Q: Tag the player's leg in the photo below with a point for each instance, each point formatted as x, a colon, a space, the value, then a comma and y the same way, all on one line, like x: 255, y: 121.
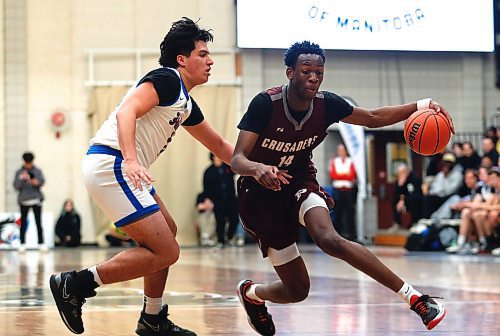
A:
x: 154, y: 312
x: 136, y: 212
x: 293, y: 286
x: 317, y: 221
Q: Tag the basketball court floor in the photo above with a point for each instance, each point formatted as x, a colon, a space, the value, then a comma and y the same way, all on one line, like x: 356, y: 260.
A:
x: 202, y: 285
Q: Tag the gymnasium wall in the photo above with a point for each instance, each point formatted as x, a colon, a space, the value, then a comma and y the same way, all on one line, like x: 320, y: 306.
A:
x: 58, y: 33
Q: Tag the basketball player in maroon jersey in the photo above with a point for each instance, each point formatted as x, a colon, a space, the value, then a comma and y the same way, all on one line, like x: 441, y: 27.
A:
x: 278, y: 190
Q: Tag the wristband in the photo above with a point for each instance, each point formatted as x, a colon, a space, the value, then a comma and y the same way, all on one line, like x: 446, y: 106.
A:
x: 423, y: 104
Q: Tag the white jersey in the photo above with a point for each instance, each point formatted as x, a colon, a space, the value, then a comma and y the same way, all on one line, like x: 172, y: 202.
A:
x: 155, y: 129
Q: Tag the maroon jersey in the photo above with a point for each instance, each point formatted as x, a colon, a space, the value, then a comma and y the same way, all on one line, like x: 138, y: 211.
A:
x: 284, y: 141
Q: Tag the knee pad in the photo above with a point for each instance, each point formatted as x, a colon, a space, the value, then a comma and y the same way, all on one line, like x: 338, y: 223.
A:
x: 283, y: 256
x: 312, y: 201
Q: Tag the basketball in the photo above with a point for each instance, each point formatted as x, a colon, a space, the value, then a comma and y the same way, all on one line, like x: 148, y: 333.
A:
x: 427, y: 132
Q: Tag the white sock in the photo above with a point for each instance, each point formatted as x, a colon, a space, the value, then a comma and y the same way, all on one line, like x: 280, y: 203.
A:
x: 460, y: 240
x: 252, y: 295
x: 407, y: 291
x: 97, y: 278
x: 152, y: 306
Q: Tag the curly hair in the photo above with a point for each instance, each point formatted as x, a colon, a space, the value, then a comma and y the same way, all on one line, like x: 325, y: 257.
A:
x: 300, y: 48
x: 180, y: 40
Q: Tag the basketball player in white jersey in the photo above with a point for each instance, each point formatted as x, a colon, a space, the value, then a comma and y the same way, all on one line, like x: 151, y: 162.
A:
x: 116, y: 174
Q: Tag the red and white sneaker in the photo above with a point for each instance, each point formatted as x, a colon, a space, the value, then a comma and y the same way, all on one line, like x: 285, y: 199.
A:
x: 258, y: 317
x: 430, y: 311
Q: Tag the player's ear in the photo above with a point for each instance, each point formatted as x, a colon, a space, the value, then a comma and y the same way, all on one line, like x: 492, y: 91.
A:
x: 289, y: 73
x: 181, y: 60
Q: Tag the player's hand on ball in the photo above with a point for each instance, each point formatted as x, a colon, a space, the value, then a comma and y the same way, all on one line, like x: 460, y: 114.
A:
x: 440, y: 109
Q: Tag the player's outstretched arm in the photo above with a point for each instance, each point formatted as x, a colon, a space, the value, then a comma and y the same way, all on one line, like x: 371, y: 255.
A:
x: 388, y: 115
x: 212, y: 140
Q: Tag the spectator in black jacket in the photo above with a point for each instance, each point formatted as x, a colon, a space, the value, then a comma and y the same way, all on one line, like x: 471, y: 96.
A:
x: 490, y: 151
x: 68, y: 226
x: 407, y: 195
x: 470, y: 159
x: 218, y: 185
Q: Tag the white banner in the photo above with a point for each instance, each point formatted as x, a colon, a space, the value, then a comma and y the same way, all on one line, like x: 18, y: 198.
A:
x: 421, y: 25
x: 354, y: 140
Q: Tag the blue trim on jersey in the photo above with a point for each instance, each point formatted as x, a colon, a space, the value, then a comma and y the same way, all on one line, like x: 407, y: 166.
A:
x: 101, y: 149
x: 152, y: 191
x: 184, y: 89
x: 117, y: 168
x: 140, y: 213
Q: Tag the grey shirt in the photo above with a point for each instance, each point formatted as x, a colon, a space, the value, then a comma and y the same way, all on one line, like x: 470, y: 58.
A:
x: 28, y: 193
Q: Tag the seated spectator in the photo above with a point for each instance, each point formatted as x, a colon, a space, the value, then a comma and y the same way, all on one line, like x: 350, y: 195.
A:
x: 118, y: 238
x: 467, y: 215
x: 68, y: 226
x: 407, y: 196
x: 487, y: 162
x: 205, y: 220
x: 470, y: 159
x: 446, y: 184
x: 493, y: 133
x: 458, y: 151
x: 487, y: 223
x: 490, y: 150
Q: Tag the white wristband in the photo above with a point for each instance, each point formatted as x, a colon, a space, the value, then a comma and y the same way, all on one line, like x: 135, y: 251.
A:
x: 423, y: 104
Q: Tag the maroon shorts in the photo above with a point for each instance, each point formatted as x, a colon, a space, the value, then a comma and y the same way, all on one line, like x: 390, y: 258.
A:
x: 272, y: 217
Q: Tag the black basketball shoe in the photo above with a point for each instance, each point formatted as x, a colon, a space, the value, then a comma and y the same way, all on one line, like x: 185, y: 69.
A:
x: 68, y: 300
x: 258, y: 317
x: 429, y: 310
x: 159, y: 325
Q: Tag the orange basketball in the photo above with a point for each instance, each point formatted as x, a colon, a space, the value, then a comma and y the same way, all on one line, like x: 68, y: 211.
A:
x: 427, y: 132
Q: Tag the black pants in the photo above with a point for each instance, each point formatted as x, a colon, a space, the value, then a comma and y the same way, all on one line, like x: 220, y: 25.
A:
x: 37, y: 212
x: 432, y: 203
x: 413, y: 206
x: 345, y: 202
x: 225, y: 211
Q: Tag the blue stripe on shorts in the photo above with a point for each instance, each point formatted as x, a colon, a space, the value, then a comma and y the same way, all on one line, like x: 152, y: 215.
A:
x: 141, y: 211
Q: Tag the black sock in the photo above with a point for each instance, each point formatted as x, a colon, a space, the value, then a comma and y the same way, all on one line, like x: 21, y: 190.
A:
x: 85, y: 282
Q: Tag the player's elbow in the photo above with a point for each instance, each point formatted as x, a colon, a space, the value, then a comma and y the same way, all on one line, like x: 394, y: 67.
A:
x: 374, y: 120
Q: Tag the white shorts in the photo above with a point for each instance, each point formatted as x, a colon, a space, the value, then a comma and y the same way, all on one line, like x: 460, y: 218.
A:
x: 105, y: 179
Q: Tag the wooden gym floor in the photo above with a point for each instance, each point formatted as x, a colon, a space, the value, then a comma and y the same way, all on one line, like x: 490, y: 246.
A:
x: 201, y: 294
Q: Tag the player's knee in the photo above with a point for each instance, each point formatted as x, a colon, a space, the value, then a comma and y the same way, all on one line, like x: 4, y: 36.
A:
x: 299, y: 293
x: 169, y: 256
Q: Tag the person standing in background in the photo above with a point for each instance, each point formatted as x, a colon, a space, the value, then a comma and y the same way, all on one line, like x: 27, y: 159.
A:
x: 28, y: 181
x: 343, y: 176
x: 218, y: 187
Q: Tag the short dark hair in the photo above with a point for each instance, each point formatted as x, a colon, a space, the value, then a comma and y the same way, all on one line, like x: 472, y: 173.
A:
x: 28, y: 157
x: 300, y: 48
x: 180, y: 40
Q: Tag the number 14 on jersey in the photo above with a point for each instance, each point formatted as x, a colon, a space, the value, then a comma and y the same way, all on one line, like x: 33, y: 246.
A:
x: 286, y: 160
